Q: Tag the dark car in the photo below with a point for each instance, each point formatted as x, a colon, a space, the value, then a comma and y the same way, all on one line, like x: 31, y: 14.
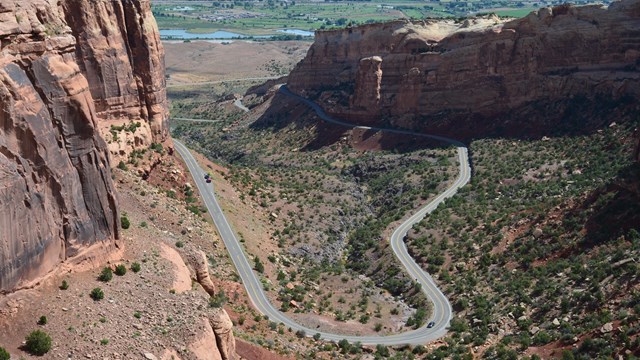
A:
x: 207, y: 176
x: 208, y: 180
x: 431, y: 324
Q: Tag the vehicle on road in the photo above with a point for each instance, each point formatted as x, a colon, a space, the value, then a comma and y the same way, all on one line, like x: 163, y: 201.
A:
x: 207, y: 176
x: 430, y: 324
x: 208, y: 180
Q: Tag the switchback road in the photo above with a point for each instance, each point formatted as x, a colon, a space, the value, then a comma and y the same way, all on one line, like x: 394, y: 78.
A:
x: 441, y: 307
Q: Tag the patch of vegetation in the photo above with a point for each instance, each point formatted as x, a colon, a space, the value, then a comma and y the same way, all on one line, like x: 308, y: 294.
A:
x: 97, y: 294
x: 42, y: 320
x: 539, y: 242
x: 124, y: 221
x: 38, y: 343
x: 64, y: 285
x: 135, y: 267
x: 121, y: 270
x: 4, y: 354
x: 106, y: 275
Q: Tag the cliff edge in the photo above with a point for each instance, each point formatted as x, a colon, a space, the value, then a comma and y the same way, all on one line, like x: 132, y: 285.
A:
x: 70, y: 70
x: 479, y: 77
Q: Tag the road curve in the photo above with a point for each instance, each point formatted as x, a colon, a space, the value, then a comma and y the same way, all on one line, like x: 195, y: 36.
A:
x: 441, y: 307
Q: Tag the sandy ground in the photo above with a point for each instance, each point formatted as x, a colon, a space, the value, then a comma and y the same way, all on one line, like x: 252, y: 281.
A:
x: 201, y: 61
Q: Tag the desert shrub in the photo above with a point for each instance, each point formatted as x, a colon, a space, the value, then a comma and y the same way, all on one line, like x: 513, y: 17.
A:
x: 121, y: 270
x: 179, y: 244
x: 4, y: 354
x: 124, y: 221
x: 42, y: 320
x: 97, y: 294
x: 64, y: 285
x: 135, y: 267
x: 122, y: 166
x: 218, y: 300
x: 106, y: 274
x: 38, y: 342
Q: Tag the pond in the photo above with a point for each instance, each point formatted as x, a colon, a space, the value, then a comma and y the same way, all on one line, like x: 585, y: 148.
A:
x: 221, y: 34
x: 182, y: 34
x: 296, y: 32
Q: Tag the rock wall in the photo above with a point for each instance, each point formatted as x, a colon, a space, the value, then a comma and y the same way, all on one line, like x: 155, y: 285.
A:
x: 458, y: 77
x: 69, y: 68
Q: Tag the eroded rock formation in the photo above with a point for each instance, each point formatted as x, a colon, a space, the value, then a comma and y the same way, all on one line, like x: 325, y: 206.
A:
x: 480, y: 76
x: 69, y: 68
x: 219, y: 323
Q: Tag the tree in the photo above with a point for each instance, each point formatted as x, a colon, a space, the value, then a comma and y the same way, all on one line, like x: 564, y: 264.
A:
x: 97, y: 294
x: 121, y: 270
x: 258, y: 265
x: 124, y: 221
x: 38, y: 342
x: 106, y: 275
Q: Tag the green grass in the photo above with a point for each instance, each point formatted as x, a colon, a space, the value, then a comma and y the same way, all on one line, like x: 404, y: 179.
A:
x: 516, y: 13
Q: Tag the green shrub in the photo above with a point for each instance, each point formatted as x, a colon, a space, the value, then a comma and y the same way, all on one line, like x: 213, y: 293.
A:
x: 106, y: 274
x: 4, y: 354
x: 97, y: 294
x: 122, y: 166
x: 38, y: 342
x: 64, y: 285
x: 121, y: 270
x: 42, y: 320
x: 124, y: 221
x: 218, y: 300
x: 179, y: 244
x: 135, y: 267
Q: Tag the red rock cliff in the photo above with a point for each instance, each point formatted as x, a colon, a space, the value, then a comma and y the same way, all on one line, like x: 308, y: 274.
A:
x: 68, y: 69
x: 457, y: 78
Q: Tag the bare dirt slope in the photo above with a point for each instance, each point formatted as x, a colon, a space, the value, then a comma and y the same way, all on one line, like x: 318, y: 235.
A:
x: 201, y: 61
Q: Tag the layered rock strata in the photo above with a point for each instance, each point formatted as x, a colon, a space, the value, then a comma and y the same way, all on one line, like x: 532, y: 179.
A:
x: 69, y: 68
x: 457, y: 77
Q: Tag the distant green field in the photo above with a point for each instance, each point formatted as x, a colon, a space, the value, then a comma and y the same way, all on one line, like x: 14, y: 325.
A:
x: 517, y: 13
x: 269, y: 16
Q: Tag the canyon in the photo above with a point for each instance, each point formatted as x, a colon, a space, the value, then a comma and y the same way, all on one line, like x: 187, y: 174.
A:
x: 482, y: 76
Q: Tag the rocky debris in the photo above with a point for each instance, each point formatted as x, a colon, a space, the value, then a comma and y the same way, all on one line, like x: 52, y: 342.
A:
x: 537, y: 232
x: 478, y: 77
x: 69, y: 70
x: 606, y: 328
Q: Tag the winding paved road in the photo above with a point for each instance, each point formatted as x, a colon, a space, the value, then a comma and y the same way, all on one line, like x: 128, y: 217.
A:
x: 441, y: 307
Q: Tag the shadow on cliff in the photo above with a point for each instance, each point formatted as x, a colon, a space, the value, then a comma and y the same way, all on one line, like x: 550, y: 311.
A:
x: 615, y: 209
x: 284, y: 112
x: 575, y: 116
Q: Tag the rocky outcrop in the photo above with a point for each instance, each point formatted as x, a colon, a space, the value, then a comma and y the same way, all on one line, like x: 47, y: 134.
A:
x: 479, y: 76
x: 69, y: 68
x: 219, y: 324
x: 119, y: 51
x: 368, y: 78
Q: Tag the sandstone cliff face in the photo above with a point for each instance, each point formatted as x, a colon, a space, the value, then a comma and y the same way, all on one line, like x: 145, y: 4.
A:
x: 456, y: 78
x: 67, y: 69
